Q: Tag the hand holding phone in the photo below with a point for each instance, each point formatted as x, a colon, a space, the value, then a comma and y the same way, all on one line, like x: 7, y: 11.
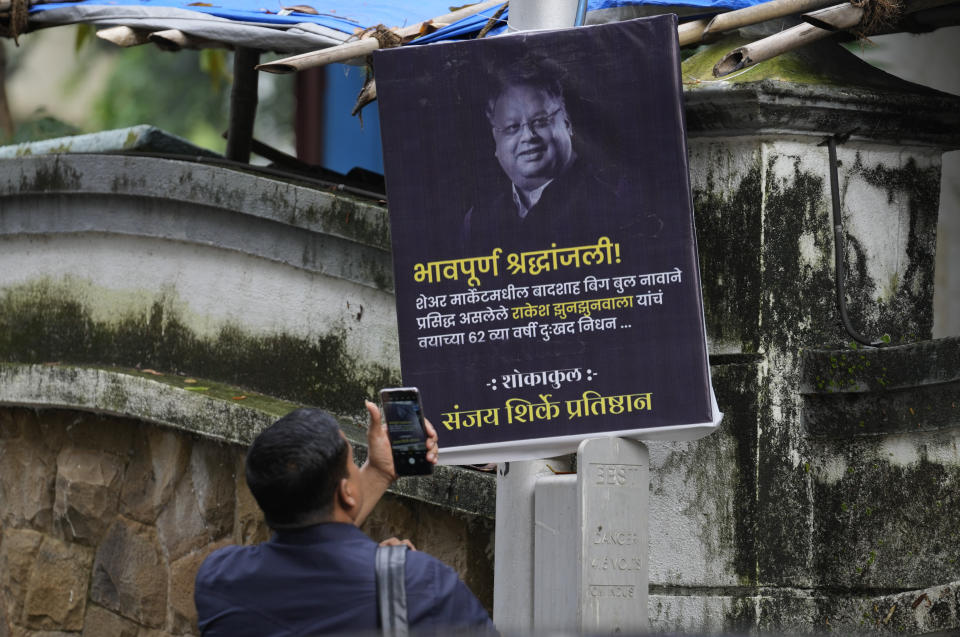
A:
x: 403, y: 413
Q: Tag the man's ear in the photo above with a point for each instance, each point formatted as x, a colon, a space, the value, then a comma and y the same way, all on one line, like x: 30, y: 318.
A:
x: 346, y: 496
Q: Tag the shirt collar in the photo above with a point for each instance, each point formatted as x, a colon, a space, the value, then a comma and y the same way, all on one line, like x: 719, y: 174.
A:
x: 325, y: 532
x: 534, y: 196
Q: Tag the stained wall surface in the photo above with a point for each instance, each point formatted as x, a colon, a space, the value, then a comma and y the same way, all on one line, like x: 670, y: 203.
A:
x: 922, y: 59
x: 801, y: 514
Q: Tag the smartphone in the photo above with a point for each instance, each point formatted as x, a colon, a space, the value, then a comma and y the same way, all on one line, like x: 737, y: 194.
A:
x: 408, y: 438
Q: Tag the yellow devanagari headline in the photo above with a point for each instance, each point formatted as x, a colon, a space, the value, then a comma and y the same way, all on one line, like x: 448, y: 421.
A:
x: 533, y: 263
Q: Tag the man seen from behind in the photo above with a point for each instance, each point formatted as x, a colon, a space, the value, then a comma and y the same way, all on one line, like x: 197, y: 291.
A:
x: 316, y: 574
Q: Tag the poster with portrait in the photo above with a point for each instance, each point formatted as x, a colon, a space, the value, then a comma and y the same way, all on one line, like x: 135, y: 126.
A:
x: 545, y: 258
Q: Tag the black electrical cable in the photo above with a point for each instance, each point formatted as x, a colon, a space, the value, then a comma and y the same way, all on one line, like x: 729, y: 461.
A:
x: 838, y: 244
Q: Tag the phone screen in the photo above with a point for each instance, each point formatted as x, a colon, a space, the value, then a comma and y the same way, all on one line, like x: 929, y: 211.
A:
x: 404, y: 427
x: 401, y: 409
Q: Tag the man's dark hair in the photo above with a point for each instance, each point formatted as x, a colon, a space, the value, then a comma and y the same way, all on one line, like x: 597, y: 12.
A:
x: 531, y: 70
x: 294, y: 466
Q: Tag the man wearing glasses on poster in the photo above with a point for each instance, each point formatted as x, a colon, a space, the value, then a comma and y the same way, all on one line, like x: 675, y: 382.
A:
x: 555, y: 193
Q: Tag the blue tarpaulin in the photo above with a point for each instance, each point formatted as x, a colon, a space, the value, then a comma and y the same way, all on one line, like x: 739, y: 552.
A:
x: 342, y: 15
x: 279, y: 25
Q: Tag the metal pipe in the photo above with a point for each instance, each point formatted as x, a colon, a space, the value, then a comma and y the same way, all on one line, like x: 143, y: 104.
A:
x: 581, y: 14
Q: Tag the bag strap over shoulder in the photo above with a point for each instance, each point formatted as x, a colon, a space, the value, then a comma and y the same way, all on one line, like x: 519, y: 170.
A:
x: 391, y: 590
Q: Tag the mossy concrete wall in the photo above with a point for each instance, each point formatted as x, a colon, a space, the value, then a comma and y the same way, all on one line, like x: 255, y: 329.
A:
x: 185, y: 267
x: 790, y: 518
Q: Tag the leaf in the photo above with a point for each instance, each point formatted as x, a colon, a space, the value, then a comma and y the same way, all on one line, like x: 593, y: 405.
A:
x: 213, y: 62
x: 239, y: 397
x: 189, y: 380
x: 84, y: 31
x: 886, y: 620
x: 151, y: 371
x: 197, y: 388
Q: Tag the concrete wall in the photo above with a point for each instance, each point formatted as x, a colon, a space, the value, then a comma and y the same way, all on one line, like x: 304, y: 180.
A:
x: 191, y: 268
x: 803, y: 513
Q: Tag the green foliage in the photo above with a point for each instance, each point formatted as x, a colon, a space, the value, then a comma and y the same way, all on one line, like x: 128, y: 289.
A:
x: 84, y: 33
x: 186, y: 93
x: 213, y: 62
x: 41, y: 126
x: 167, y: 90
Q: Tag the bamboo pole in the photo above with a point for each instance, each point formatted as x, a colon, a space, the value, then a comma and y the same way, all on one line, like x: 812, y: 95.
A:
x: 367, y: 44
x: 175, y: 39
x: 124, y: 36
x: 761, y: 13
x: 339, y: 53
x: 836, y: 18
x: 691, y: 32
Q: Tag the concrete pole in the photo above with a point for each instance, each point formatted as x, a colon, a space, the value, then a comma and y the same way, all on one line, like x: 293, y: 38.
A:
x: 543, y: 518
x: 533, y: 15
x: 613, y: 484
x: 513, y: 573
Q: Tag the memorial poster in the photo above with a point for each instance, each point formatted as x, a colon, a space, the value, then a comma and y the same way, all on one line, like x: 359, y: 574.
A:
x: 545, y: 258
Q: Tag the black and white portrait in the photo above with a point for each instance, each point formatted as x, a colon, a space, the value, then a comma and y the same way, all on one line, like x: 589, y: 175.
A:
x: 554, y: 187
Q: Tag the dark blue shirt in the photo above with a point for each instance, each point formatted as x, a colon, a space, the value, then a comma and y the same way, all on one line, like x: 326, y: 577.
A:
x: 321, y: 579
